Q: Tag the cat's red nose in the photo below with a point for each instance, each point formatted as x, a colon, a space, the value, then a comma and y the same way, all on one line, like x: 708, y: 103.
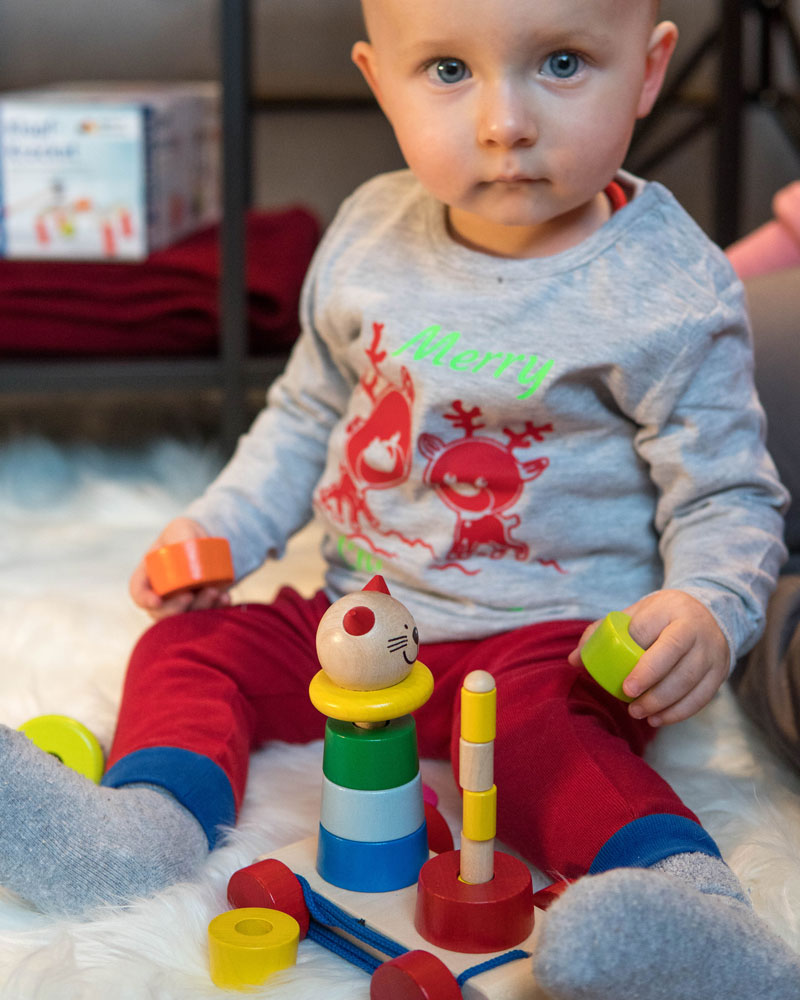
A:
x: 358, y: 620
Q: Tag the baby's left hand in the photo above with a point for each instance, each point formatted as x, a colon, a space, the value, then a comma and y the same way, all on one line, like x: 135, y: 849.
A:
x: 685, y: 662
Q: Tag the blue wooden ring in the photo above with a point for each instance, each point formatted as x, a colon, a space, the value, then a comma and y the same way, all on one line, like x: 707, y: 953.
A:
x: 365, y: 867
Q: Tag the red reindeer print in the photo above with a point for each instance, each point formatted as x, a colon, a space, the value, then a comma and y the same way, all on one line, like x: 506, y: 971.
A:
x: 377, y: 452
x: 481, y: 479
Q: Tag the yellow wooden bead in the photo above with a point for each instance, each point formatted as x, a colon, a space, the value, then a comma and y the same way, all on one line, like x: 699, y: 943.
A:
x: 371, y: 706
x: 70, y: 741
x: 478, y: 715
x: 480, y: 814
x: 247, y: 945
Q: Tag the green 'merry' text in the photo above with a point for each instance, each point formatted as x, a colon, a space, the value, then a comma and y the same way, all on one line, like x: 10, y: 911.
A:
x: 440, y: 349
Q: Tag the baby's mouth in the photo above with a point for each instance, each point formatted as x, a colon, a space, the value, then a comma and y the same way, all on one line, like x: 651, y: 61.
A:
x: 514, y: 179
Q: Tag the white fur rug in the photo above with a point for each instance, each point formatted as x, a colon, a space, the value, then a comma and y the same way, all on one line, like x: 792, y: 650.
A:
x: 74, y: 523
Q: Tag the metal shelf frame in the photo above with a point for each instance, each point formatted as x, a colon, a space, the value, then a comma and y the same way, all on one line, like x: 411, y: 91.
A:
x: 725, y: 111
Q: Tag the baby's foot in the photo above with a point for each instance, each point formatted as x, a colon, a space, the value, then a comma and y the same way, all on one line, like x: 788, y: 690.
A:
x: 67, y: 844
x: 647, y: 934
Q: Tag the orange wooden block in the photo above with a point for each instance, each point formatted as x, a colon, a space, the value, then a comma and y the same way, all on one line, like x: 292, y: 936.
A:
x: 198, y: 562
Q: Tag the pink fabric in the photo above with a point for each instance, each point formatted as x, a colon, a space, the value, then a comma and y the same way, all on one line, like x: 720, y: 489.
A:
x: 774, y: 246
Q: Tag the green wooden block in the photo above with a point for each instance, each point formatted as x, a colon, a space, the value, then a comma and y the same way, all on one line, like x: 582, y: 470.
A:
x: 371, y: 759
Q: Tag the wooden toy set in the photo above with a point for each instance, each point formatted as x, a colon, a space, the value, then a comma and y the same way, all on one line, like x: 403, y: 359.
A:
x: 426, y: 926
x: 381, y: 884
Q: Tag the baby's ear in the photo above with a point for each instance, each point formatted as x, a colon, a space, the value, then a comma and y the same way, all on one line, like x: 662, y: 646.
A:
x: 363, y: 55
x: 663, y: 40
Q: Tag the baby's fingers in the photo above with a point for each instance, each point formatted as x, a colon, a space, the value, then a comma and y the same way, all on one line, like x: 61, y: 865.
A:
x: 176, y: 604
x: 575, y: 656
x: 684, y: 706
x: 658, y: 659
x: 209, y: 597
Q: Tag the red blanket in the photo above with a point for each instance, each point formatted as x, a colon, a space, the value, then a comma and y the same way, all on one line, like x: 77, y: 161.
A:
x: 165, y: 305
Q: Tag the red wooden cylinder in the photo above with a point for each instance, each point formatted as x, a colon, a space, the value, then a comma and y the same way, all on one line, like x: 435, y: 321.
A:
x: 493, y: 916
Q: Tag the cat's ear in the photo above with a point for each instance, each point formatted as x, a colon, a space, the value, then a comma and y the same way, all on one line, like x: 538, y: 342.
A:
x: 377, y: 583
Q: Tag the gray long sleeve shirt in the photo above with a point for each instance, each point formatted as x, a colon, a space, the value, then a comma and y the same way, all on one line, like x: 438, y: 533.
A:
x: 510, y: 441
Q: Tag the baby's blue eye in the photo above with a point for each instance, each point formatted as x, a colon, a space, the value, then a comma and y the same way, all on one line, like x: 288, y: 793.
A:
x: 451, y: 70
x: 563, y: 65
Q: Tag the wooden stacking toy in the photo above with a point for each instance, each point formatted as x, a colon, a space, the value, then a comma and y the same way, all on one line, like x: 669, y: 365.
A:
x: 372, y: 833
x: 476, y: 899
x: 458, y: 925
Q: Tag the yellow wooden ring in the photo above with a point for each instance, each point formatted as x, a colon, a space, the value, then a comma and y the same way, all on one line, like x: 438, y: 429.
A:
x: 247, y: 945
x: 371, y: 706
x: 70, y: 741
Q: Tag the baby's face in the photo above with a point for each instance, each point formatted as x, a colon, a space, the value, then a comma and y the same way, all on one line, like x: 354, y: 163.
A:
x: 514, y: 113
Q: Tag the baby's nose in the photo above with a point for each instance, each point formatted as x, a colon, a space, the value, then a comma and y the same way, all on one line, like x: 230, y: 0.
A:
x: 506, y: 117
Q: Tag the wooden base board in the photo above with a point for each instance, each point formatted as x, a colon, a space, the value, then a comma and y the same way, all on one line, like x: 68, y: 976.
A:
x: 392, y: 914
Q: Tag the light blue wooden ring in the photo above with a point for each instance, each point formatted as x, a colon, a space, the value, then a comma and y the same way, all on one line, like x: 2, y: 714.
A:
x: 374, y: 816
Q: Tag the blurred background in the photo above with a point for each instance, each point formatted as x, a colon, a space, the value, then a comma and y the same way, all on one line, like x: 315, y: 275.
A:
x: 316, y: 135
x: 724, y: 142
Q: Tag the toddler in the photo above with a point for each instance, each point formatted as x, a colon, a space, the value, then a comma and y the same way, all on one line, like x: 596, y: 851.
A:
x: 523, y: 394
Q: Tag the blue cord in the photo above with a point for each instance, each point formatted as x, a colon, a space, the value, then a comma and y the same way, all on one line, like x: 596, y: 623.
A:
x: 342, y: 947
x: 326, y: 915
x: 476, y: 970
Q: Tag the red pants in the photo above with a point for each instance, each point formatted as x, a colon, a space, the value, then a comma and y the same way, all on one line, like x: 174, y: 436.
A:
x: 206, y: 688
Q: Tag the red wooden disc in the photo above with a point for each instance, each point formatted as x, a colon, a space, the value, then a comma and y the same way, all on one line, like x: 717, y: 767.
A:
x: 493, y: 916
x: 417, y: 975
x: 271, y: 884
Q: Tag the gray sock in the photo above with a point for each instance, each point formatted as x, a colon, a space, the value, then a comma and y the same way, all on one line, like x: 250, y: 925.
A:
x: 67, y: 845
x: 681, y: 930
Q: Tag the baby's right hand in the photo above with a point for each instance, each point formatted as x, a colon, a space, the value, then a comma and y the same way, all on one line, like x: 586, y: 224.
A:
x: 182, y: 529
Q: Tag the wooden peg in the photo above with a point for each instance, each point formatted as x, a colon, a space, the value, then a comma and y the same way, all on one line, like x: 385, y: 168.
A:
x: 476, y: 777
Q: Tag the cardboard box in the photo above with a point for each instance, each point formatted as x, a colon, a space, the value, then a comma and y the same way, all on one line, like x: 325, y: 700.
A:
x: 107, y: 171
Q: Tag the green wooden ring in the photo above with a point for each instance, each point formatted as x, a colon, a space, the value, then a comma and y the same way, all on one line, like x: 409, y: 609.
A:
x: 610, y: 654
x: 371, y: 759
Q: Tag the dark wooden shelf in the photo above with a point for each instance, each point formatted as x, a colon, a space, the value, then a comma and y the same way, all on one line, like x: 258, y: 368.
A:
x: 26, y: 376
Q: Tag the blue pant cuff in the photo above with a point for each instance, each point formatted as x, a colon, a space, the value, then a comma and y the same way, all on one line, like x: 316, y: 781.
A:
x: 194, y: 779
x: 649, y: 839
